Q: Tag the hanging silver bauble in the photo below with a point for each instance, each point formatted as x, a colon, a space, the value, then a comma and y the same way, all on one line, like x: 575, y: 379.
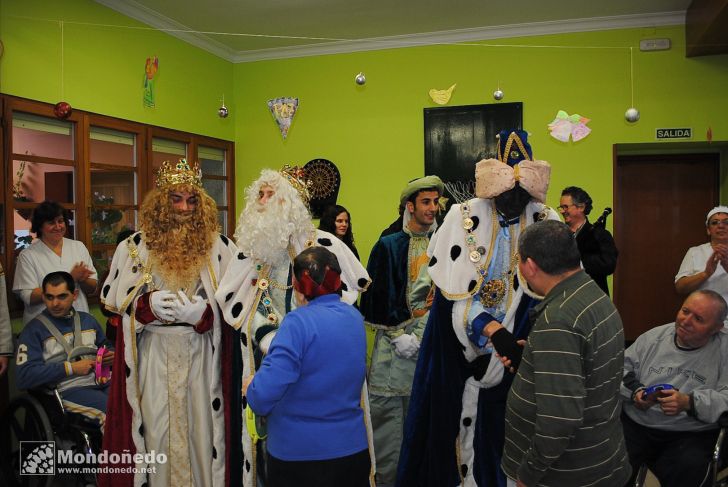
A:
x: 360, y: 79
x: 498, y: 94
x: 632, y: 115
x: 222, y: 112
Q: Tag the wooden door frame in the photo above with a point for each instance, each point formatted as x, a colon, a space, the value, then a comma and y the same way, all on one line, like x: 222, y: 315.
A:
x: 667, y: 151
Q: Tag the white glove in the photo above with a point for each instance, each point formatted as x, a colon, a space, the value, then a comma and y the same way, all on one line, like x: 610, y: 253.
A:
x: 162, y: 303
x: 264, y: 344
x: 406, y: 346
x: 189, y: 311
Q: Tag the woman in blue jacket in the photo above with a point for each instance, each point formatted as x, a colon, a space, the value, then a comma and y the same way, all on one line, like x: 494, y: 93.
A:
x: 309, y: 385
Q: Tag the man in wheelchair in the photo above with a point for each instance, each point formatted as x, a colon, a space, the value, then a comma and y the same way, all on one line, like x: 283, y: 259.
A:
x: 675, y: 387
x: 59, y: 349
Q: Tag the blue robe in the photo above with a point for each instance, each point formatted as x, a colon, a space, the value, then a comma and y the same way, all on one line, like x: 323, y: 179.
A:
x: 456, y: 420
x: 428, y: 457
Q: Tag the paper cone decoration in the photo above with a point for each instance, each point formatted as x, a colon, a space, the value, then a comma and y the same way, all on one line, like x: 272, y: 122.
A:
x: 565, y: 126
x: 283, y: 110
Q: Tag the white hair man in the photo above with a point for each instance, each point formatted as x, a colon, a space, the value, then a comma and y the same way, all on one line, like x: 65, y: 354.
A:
x: 257, y: 292
x: 162, y: 282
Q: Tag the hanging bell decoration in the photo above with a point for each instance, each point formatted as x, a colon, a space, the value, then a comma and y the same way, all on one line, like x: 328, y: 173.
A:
x: 498, y: 95
x: 360, y: 79
x: 223, y: 112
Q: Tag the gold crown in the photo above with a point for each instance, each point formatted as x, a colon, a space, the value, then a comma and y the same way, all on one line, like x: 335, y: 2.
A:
x: 178, y: 173
x: 296, y: 176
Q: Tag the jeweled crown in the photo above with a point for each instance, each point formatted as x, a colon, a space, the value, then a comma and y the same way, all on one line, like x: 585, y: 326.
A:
x: 296, y: 176
x: 179, y: 172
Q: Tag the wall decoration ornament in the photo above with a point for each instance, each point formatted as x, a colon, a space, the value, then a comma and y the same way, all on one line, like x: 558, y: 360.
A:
x: 62, y: 109
x: 283, y: 109
x: 325, y: 180
x: 360, y: 79
x: 150, y: 70
x: 441, y: 97
x: 498, y: 93
x: 223, y: 111
x: 565, y: 126
x: 632, y: 115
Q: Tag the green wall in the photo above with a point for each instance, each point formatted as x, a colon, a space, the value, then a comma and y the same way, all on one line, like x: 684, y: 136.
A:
x: 374, y: 133
x: 103, y: 66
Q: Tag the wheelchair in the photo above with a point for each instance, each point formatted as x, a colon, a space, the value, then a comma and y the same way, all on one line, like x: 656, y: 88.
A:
x: 718, y: 474
x: 39, y: 415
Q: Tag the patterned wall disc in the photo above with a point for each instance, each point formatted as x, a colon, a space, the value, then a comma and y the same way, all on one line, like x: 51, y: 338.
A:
x: 325, y: 182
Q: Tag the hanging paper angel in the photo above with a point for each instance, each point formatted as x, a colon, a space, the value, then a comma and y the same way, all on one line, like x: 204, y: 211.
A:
x: 565, y: 126
x: 150, y: 69
x: 283, y: 110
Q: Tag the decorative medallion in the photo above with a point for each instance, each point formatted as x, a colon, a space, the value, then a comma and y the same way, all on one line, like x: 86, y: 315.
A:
x: 492, y: 293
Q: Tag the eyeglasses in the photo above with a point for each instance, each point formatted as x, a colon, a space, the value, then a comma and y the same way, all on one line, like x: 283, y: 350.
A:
x: 566, y: 207
x: 715, y: 223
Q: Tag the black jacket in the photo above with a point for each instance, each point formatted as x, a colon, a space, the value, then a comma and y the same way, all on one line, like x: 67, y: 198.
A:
x: 598, y: 253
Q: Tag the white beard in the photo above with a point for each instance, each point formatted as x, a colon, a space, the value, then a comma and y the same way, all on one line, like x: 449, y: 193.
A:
x: 264, y: 235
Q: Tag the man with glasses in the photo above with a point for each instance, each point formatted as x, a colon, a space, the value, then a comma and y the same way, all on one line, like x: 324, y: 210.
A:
x: 595, y: 243
x: 706, y: 266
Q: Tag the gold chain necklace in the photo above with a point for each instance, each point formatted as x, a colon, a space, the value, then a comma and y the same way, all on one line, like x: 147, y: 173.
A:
x: 265, y: 282
x: 494, y: 290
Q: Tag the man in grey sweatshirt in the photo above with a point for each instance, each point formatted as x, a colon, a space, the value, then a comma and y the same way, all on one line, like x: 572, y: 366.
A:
x: 674, y: 430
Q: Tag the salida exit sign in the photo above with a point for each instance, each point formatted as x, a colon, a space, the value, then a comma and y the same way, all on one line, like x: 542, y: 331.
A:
x: 676, y: 133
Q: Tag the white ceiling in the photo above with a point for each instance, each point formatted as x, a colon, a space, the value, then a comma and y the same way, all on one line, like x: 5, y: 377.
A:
x: 245, y: 30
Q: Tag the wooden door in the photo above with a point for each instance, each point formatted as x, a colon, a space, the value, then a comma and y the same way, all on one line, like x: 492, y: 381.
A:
x: 660, y: 206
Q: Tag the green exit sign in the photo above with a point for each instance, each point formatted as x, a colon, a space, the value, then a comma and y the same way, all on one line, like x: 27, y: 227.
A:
x: 676, y: 133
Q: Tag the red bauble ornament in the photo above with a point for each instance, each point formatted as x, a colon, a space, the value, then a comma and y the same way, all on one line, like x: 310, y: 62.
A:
x: 62, y: 109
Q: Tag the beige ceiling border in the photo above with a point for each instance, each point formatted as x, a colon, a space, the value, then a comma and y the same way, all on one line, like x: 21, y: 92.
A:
x: 152, y: 18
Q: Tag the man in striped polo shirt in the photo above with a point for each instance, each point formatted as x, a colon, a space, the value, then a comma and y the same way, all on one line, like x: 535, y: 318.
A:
x: 562, y: 416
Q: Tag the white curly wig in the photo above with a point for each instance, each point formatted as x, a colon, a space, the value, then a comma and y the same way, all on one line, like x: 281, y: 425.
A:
x: 264, y: 230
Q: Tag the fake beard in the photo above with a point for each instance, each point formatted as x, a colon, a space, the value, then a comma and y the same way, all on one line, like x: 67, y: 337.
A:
x: 171, y: 257
x: 266, y: 232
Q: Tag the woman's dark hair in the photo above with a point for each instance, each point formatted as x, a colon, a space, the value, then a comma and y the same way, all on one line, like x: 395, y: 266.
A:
x: 47, y: 211
x: 316, y: 260
x: 328, y: 224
